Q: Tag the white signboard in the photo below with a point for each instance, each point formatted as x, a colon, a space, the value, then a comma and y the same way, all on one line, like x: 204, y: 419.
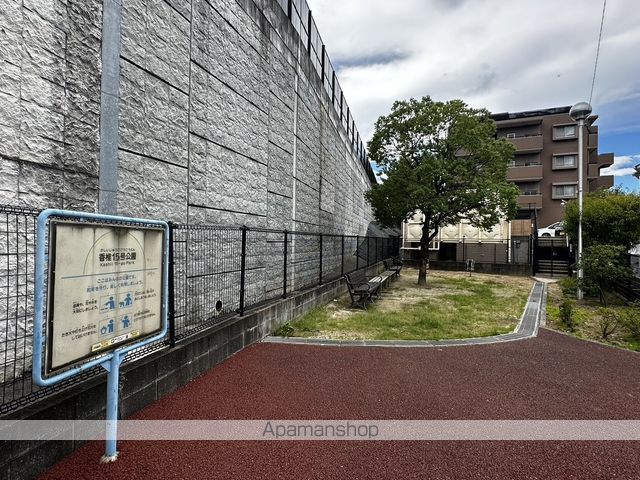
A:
x: 105, y: 289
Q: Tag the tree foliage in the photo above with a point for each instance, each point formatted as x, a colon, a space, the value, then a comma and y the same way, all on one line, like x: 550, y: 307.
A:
x: 604, y: 265
x: 608, y: 217
x: 444, y: 160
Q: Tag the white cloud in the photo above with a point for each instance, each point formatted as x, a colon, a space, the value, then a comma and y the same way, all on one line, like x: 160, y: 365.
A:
x: 505, y: 56
x: 622, y: 165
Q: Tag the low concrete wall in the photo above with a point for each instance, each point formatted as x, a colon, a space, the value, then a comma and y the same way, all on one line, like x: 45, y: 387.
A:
x: 144, y: 381
x: 495, y: 268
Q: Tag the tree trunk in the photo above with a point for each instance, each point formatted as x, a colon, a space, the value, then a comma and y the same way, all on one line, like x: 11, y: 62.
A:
x: 603, y: 298
x: 424, y: 254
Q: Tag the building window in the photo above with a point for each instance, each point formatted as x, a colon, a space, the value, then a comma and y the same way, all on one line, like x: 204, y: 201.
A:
x: 529, y: 188
x: 565, y: 191
x: 565, y: 161
x: 564, y: 131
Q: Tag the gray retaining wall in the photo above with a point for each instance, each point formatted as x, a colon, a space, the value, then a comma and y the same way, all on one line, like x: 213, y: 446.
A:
x: 206, y: 111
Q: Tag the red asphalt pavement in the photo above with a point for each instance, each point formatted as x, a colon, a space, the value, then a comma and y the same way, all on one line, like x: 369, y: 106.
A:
x: 552, y: 376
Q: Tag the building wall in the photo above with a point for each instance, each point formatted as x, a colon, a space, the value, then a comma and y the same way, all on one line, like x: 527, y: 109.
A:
x: 187, y: 110
x: 536, y: 147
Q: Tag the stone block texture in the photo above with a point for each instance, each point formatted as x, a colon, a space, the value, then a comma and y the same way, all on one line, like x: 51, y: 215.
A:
x: 223, y: 90
x: 221, y: 117
x: 49, y: 102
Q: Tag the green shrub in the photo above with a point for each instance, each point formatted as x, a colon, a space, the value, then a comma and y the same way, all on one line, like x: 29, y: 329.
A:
x: 566, y: 315
x: 631, y: 319
x: 285, y: 330
x: 608, y: 322
x: 569, y: 286
x: 604, y: 265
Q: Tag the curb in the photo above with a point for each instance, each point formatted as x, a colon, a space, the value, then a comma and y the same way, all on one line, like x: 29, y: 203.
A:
x: 527, y: 327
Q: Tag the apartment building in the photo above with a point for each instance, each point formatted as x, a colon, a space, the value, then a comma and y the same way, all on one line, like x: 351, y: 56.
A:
x: 545, y: 169
x: 545, y: 165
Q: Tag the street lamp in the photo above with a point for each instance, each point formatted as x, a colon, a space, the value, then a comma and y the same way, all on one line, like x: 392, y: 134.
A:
x: 637, y: 172
x: 580, y: 111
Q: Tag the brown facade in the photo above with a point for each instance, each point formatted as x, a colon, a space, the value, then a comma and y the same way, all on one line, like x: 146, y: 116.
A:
x: 545, y: 165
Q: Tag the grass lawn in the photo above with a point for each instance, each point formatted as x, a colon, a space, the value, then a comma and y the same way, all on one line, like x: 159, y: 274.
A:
x: 453, y: 305
x: 588, y: 318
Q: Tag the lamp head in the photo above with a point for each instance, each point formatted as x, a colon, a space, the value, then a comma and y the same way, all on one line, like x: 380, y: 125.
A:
x: 580, y: 111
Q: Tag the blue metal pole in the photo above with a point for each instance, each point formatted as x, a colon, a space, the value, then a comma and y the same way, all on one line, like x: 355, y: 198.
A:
x: 113, y: 377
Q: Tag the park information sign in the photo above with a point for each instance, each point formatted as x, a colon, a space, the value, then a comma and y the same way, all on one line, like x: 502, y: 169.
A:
x: 105, y: 283
x: 105, y: 289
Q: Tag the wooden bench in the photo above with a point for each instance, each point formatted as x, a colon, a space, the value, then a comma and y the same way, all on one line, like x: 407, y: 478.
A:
x: 363, y: 288
x: 395, y: 264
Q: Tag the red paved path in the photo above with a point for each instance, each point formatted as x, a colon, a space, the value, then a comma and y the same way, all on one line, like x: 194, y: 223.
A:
x: 550, y: 377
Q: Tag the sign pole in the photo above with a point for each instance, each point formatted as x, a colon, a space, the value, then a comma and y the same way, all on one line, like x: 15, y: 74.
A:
x: 113, y: 378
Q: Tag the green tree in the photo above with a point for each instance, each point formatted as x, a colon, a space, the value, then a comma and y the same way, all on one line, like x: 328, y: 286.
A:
x: 604, y: 265
x: 608, y: 217
x: 442, y: 159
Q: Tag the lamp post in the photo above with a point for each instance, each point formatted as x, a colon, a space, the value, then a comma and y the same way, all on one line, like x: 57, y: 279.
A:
x: 580, y: 111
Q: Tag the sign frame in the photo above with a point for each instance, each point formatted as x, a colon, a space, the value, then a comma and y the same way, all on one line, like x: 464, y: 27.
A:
x: 109, y: 359
x: 49, y: 369
x: 39, y: 322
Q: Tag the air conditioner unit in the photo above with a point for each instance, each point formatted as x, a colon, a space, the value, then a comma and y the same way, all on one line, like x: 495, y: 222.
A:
x: 511, y: 135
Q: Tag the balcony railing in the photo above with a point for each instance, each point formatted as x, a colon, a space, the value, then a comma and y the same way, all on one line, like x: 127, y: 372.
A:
x: 531, y: 171
x: 598, y: 183
x: 530, y: 200
x: 530, y: 143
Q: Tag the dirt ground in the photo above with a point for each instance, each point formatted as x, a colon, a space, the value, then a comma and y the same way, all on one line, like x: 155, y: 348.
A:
x: 405, y: 292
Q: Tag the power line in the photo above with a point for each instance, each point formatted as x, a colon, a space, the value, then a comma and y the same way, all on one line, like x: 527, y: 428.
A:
x: 595, y: 66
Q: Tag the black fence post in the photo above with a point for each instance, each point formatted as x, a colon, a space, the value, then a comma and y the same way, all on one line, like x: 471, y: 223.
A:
x: 284, y: 280
x: 368, y: 251
x: 357, y: 252
x: 243, y: 262
x: 171, y: 314
x: 342, y: 259
x: 377, y: 256
x: 320, y: 275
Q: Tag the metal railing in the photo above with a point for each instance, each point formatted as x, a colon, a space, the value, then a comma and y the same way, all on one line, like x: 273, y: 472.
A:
x: 216, y: 272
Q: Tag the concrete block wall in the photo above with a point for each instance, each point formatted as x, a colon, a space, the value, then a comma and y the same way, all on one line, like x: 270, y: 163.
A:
x: 50, y: 72
x: 198, y: 111
x: 219, y: 106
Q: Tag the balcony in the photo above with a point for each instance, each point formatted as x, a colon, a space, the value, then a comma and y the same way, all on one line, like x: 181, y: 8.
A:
x: 605, y: 160
x: 530, y: 200
x: 594, y: 171
x: 519, y: 173
x: 532, y: 143
x: 605, y: 181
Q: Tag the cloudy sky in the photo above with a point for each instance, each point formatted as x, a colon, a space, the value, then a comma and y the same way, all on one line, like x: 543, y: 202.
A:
x: 502, y: 55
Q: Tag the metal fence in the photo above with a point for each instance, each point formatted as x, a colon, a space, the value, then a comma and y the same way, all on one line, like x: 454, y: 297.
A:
x: 216, y: 272
x: 223, y: 271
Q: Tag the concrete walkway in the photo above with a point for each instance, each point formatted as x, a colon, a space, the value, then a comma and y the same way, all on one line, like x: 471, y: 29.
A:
x: 526, y: 328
